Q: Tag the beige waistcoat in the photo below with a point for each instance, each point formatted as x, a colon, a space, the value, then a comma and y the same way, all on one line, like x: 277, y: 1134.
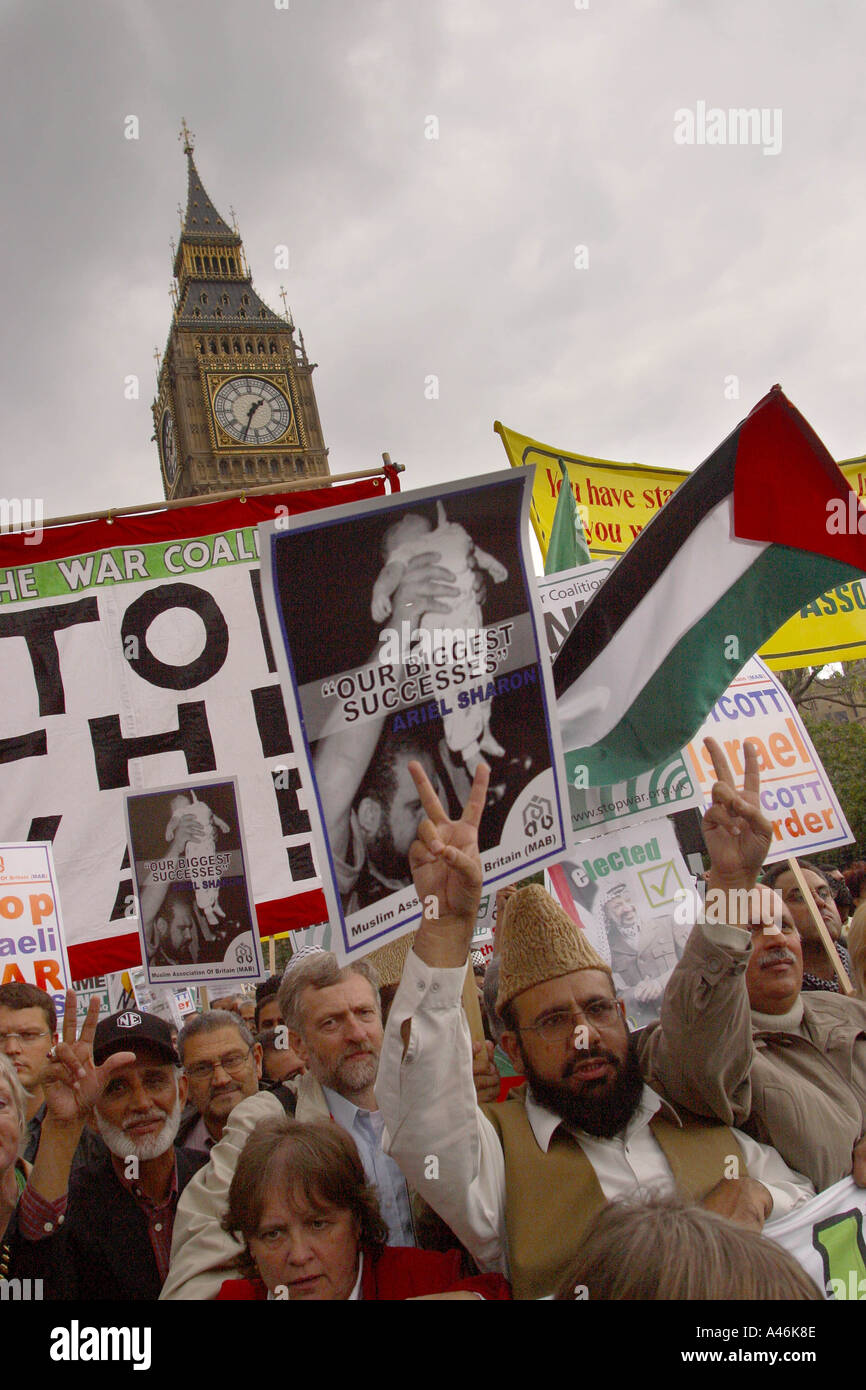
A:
x: 552, y: 1197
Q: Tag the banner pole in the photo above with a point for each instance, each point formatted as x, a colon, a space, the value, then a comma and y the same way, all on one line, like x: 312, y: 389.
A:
x: 272, y: 957
x: 262, y: 490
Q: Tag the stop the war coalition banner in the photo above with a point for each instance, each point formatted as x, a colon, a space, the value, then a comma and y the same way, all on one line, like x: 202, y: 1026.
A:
x: 410, y: 629
x: 135, y: 655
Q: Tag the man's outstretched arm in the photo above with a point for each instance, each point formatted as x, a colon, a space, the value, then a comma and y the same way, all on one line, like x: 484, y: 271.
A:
x: 702, y: 1051
x: 446, y: 1148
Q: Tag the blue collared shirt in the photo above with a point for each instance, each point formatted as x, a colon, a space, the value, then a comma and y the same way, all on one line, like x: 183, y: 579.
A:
x: 365, y: 1127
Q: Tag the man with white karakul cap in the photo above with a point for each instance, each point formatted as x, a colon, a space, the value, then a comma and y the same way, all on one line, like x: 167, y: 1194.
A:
x: 518, y: 1182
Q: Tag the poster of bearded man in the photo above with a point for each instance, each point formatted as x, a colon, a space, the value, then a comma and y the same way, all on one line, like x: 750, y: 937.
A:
x: 412, y: 631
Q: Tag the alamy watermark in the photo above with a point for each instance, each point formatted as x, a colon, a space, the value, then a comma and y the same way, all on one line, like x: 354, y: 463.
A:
x: 24, y: 514
x: 712, y: 125
x: 846, y: 520
x: 735, y: 907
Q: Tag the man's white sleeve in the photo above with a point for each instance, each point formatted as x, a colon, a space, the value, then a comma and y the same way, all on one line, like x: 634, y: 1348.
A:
x: 447, y: 1149
x: 202, y: 1253
x: 788, y: 1188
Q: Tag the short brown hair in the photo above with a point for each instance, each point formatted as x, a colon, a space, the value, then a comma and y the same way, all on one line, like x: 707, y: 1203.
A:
x: 29, y: 997
x: 318, y: 1157
x: 663, y: 1249
x: 318, y: 971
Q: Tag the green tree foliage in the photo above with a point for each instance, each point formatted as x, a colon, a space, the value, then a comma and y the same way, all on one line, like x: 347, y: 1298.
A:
x: 842, y: 749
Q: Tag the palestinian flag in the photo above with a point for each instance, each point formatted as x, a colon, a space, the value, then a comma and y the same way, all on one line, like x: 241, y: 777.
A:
x: 765, y: 525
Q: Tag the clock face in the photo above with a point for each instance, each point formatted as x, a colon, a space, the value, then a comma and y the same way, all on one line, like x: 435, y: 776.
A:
x: 252, y: 410
x: 169, y: 447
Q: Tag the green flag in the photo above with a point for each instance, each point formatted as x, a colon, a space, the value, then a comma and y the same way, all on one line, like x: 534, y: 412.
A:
x: 567, y: 547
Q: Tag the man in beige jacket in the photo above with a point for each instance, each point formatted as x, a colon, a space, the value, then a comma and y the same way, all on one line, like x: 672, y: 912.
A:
x: 737, y: 1039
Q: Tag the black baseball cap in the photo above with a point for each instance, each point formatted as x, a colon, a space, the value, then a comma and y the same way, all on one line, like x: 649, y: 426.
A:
x: 126, y: 1031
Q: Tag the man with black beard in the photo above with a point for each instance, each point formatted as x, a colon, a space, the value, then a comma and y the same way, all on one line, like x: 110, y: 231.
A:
x: 518, y: 1183
x: 382, y: 824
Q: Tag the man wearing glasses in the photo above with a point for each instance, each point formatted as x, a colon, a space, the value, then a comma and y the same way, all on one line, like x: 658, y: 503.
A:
x: 519, y: 1182
x: 223, y: 1065
x: 28, y: 1031
x: 818, y: 972
x: 741, y: 1035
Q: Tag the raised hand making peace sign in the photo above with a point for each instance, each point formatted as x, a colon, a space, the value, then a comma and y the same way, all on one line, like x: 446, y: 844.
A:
x: 446, y: 870
x: 736, y: 832
x: 71, y: 1082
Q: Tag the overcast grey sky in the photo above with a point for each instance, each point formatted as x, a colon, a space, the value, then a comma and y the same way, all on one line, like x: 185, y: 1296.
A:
x: 453, y: 257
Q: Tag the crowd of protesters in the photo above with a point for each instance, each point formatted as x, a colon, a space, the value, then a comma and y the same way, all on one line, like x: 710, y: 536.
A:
x: 344, y: 1138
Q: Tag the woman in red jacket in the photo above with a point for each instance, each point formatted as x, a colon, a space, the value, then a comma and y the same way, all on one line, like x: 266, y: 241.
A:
x: 310, y: 1220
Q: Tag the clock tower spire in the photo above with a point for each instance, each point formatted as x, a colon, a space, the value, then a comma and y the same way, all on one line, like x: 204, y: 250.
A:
x: 235, y: 405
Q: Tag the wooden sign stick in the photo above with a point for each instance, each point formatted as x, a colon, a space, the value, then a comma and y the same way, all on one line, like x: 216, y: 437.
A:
x: 827, y: 941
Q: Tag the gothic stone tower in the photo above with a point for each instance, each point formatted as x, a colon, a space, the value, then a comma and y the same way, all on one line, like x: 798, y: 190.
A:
x: 235, y: 405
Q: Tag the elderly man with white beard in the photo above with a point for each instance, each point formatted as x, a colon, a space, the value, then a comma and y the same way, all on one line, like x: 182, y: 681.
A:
x: 105, y: 1232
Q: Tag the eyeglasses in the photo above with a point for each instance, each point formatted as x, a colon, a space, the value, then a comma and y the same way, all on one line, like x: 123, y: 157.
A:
x: 30, y: 1035
x: 232, y: 1062
x: 601, y: 1013
x: 793, y: 895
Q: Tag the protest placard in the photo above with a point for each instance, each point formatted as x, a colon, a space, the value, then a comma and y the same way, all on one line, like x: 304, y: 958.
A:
x: 826, y: 1236
x: 155, y: 999
x: 796, y: 793
x: 185, y: 1002
x: 192, y: 885
x: 626, y: 890
x: 485, y: 925
x: 108, y: 989
x: 32, y: 944
x: 669, y: 787
x: 432, y: 652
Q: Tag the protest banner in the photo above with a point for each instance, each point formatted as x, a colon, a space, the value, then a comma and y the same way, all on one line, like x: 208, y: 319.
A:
x: 624, y: 888
x: 668, y: 787
x: 140, y: 654
x: 185, y: 1002
x: 826, y: 1236
x: 108, y: 990
x: 615, y: 502
x: 796, y: 793
x: 155, y: 999
x: 189, y: 860
x: 32, y: 942
x: 485, y: 926
x: 438, y: 659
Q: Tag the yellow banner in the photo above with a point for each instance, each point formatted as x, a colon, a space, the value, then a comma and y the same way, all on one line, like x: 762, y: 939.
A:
x: 616, y: 500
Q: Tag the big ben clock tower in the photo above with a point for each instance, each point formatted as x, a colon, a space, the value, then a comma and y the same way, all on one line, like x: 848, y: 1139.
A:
x: 235, y: 405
